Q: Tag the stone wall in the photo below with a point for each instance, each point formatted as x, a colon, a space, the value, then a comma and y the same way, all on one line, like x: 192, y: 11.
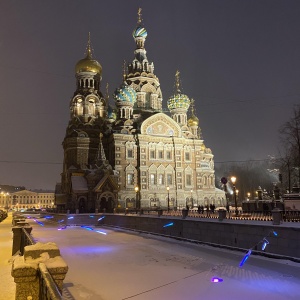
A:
x: 228, y: 234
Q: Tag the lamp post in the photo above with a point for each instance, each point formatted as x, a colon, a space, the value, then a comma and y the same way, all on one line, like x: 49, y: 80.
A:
x: 233, y: 180
x: 168, y: 189
x: 248, y: 195
x: 136, y: 197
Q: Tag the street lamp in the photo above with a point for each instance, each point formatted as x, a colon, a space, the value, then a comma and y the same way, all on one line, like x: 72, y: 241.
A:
x: 248, y: 195
x: 6, y: 195
x: 136, y: 197
x: 168, y: 189
x: 233, y: 180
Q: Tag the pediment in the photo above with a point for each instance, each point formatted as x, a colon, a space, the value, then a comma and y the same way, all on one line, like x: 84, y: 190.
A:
x: 160, y: 125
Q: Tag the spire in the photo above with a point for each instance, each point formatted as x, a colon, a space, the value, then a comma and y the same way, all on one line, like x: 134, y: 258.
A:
x: 124, y: 70
x: 100, y: 154
x: 88, y: 50
x: 106, y: 92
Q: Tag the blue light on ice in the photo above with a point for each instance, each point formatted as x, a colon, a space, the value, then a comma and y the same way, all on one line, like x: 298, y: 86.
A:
x: 245, y: 257
x: 169, y: 224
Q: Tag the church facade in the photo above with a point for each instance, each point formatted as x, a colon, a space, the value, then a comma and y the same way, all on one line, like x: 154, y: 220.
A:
x: 132, y: 153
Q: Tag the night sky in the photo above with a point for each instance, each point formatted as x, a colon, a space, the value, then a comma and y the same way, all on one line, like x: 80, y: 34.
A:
x: 239, y: 60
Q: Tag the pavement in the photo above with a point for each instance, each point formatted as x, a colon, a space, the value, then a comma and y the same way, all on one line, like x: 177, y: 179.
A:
x: 7, y: 284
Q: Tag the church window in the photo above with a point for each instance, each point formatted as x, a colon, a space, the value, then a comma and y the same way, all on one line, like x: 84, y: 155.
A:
x: 129, y: 153
x: 169, y: 179
x: 188, y: 179
x: 152, y: 178
x: 168, y: 154
x: 160, y: 179
x: 187, y: 156
x: 152, y: 154
x: 160, y: 154
x: 130, y: 179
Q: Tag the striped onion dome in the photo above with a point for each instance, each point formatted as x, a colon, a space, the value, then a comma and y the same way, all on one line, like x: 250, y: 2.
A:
x: 125, y: 94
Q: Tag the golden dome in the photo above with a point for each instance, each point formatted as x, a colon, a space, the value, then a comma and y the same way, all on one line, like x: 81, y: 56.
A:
x: 193, y: 121
x: 88, y: 64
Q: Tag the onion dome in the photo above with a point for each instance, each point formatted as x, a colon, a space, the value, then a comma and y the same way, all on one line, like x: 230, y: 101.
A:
x: 88, y: 64
x: 178, y: 100
x: 139, y: 32
x: 193, y: 120
x: 125, y: 94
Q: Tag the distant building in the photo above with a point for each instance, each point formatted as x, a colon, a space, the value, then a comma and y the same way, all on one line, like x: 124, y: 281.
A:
x: 134, y: 153
x: 25, y: 199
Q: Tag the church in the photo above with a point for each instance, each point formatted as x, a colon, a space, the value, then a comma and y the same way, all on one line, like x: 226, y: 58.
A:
x: 132, y: 153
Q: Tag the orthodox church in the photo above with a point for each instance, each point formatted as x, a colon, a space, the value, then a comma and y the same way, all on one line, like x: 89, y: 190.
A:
x: 132, y: 154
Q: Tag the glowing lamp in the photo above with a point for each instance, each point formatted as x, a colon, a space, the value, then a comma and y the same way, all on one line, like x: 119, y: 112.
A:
x: 216, y: 279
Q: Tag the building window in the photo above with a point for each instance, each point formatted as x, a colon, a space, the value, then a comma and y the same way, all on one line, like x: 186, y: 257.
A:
x: 152, y: 154
x: 152, y: 178
x: 160, y: 154
x: 187, y: 156
x: 169, y: 179
x: 130, y: 179
x: 161, y: 179
x: 169, y: 155
x: 188, y: 179
x: 129, y: 153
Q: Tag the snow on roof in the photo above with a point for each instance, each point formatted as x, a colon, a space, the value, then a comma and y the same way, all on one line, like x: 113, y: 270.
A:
x: 79, y: 184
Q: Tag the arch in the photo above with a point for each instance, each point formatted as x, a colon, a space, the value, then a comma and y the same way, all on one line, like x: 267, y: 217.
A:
x: 162, y: 125
x: 106, y: 202
x: 82, y: 204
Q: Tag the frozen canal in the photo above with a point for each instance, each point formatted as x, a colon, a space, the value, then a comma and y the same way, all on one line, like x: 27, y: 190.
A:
x: 115, y: 265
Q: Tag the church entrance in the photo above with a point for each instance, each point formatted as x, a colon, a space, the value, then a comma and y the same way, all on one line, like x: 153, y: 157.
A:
x: 82, y: 205
x: 107, y: 203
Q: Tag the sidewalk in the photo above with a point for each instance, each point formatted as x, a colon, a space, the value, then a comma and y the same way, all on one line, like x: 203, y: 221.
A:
x: 7, y: 284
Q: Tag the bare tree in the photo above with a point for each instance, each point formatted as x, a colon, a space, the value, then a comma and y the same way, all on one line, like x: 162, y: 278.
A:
x: 290, y: 139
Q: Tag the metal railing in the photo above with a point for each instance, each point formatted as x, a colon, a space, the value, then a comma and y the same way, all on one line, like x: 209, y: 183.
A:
x: 26, y: 240
x: 286, y: 216
x: 48, y: 288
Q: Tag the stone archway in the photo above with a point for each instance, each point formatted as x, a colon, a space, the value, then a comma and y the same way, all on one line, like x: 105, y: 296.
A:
x: 106, y: 202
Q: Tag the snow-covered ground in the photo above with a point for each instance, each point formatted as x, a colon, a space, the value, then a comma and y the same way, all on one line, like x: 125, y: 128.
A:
x: 114, y: 265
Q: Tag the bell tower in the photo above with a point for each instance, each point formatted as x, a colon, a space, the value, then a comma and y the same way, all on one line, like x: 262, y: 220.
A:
x: 87, y: 114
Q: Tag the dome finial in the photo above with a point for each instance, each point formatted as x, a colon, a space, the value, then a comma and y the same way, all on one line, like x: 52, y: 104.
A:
x: 124, y: 70
x: 88, y: 47
x: 106, y: 90
x: 177, y: 81
x: 139, y: 16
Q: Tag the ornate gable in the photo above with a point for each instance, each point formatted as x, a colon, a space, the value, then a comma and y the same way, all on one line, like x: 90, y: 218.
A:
x: 160, y: 125
x: 107, y: 183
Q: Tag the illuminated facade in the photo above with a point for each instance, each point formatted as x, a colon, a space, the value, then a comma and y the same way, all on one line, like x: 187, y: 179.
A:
x: 25, y: 199
x: 133, y: 153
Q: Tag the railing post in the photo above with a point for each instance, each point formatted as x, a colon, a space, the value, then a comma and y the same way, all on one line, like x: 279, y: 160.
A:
x: 25, y: 269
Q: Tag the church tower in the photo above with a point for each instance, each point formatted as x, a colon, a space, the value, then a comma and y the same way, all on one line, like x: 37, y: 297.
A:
x: 141, y: 75
x: 82, y: 140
